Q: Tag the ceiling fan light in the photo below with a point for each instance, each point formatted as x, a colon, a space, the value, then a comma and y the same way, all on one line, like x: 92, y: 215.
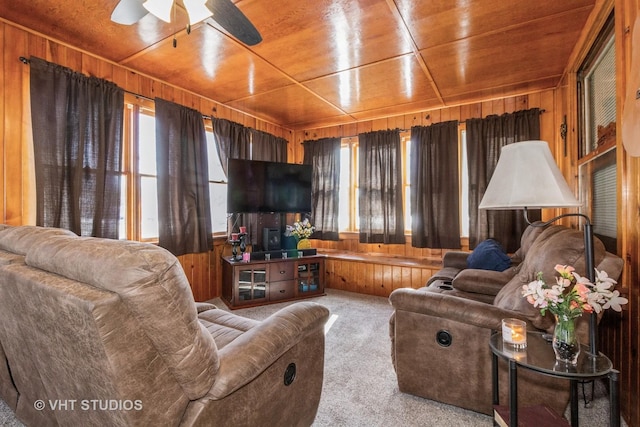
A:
x: 197, y: 10
x: 161, y: 9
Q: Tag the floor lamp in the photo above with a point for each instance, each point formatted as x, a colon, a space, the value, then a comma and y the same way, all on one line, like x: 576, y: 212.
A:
x: 527, y: 177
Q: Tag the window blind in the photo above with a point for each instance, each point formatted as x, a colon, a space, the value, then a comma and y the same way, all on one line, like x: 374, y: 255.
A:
x: 601, y: 92
x: 604, y: 214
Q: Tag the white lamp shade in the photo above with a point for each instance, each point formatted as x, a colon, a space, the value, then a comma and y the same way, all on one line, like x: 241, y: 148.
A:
x: 161, y: 9
x: 527, y: 176
x: 197, y: 10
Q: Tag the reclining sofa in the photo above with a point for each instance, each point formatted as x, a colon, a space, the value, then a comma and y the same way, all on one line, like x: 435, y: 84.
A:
x: 106, y: 332
x: 457, y: 370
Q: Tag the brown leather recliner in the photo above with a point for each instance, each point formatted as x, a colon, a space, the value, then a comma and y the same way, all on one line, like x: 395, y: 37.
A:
x: 460, y: 374
x: 110, y: 330
x: 13, y: 249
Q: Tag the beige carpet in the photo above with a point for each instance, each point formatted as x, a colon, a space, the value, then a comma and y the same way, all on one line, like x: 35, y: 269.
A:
x: 360, y: 388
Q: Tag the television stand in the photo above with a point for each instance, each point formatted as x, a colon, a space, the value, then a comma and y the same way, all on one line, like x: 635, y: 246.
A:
x: 259, y: 282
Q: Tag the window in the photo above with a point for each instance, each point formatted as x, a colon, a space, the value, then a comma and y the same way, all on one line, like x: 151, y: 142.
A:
x: 349, y: 220
x: 139, y: 200
x: 598, y: 82
x: 597, y: 164
x: 148, y: 175
x: 138, y: 206
x: 405, y: 139
x: 464, y: 185
x: 217, y: 185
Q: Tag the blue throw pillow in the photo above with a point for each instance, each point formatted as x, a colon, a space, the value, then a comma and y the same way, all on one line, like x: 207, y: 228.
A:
x: 489, y: 255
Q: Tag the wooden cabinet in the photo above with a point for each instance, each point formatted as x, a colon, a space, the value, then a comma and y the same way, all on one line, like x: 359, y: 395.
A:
x: 253, y: 283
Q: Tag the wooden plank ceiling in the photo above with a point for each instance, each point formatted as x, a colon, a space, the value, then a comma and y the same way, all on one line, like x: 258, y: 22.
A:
x: 326, y: 62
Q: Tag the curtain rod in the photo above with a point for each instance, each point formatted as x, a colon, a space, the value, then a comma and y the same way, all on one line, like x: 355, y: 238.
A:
x: 26, y: 61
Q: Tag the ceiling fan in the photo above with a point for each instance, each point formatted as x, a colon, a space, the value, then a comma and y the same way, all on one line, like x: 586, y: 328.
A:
x: 225, y: 13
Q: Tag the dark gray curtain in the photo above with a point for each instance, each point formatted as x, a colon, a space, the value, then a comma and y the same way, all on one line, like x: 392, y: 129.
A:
x: 485, y: 139
x: 77, y: 138
x: 324, y: 156
x: 435, y: 186
x: 233, y: 141
x: 184, y: 213
x: 380, y: 187
x: 267, y: 147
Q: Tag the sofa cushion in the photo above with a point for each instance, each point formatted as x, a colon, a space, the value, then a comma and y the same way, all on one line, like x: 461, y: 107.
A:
x: 225, y: 327
x: 19, y: 239
x: 486, y: 282
x: 489, y: 255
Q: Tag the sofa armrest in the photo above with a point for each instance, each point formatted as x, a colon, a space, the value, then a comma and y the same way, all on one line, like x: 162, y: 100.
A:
x: 462, y: 310
x: 253, y: 352
x: 487, y: 282
x: 204, y: 306
x: 456, y: 259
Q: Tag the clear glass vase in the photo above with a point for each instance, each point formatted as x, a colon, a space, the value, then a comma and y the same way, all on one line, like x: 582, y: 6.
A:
x: 565, y: 340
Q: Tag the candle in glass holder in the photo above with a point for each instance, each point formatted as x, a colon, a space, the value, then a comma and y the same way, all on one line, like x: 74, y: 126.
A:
x: 243, y: 230
x: 234, y: 236
x: 514, y: 333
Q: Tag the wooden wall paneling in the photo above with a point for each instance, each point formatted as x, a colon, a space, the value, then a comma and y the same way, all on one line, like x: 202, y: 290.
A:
x: 370, y: 277
x: 521, y: 102
x: 431, y: 117
x: 3, y: 157
x: 405, y: 279
x: 470, y: 111
x: 366, y: 126
x: 193, y: 264
x: 352, y: 274
x: 73, y: 58
x: 28, y: 179
x: 348, y: 129
x: 132, y: 83
x: 396, y: 122
x: 380, y: 124
x: 498, y: 106
x: 486, y: 108
x: 509, y: 105
x: 15, y: 46
x: 168, y: 93
x: 426, y: 275
x: 380, y: 278
x: 411, y: 120
x: 37, y: 46
x: 628, y: 330
x: 339, y: 280
x: 119, y: 77
x: 416, y: 278
x: 90, y: 66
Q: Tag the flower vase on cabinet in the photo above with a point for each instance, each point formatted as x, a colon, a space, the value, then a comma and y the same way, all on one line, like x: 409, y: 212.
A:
x: 304, y: 244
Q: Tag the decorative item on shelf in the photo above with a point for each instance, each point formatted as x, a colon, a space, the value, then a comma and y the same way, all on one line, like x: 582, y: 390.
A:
x: 238, y: 242
x: 567, y: 300
x: 302, y: 230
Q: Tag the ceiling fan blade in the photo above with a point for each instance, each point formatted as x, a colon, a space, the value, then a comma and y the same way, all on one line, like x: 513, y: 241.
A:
x: 229, y: 17
x: 128, y: 12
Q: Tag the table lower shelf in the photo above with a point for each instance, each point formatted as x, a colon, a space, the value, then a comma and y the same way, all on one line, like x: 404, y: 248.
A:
x: 529, y: 416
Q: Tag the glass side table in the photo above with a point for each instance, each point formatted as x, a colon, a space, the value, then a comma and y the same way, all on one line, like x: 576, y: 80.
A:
x: 539, y: 357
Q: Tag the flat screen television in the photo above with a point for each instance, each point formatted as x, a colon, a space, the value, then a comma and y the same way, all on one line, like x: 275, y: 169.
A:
x: 268, y: 187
